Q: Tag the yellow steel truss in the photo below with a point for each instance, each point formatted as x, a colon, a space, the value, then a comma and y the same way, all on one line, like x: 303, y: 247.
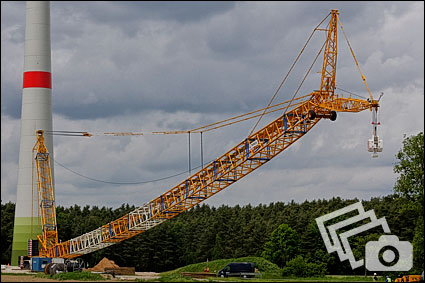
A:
x: 49, y: 237
x: 248, y: 155
x: 251, y: 153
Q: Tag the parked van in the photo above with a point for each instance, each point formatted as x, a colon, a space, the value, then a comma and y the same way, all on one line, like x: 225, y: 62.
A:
x: 240, y: 269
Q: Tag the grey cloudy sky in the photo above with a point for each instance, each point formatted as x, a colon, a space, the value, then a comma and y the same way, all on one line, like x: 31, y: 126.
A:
x: 158, y: 66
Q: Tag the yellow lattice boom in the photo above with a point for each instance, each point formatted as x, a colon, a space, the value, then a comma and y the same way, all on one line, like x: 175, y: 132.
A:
x: 251, y: 153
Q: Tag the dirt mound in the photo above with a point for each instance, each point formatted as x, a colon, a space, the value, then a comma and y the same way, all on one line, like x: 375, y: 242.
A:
x: 104, y: 263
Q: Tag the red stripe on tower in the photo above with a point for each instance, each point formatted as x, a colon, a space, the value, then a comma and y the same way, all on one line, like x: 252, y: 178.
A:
x: 37, y: 79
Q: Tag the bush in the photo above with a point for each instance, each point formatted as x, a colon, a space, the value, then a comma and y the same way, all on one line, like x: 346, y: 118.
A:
x: 301, y: 268
x: 80, y: 276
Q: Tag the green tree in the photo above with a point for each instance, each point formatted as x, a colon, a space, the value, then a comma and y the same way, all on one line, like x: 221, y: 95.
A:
x: 228, y: 232
x: 301, y: 268
x: 7, y: 220
x: 410, y: 186
x: 282, y: 246
x: 410, y: 166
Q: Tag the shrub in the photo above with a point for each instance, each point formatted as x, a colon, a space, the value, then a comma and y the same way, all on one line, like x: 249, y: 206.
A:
x: 301, y: 268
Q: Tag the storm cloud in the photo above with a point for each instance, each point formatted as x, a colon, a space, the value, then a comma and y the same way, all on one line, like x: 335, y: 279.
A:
x: 158, y: 66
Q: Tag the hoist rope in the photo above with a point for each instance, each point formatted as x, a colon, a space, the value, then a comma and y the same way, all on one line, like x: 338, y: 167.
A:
x: 206, y: 128
x: 355, y: 60
x: 287, y: 74
x: 123, y: 183
x: 351, y: 93
x: 305, y: 76
x: 243, y: 117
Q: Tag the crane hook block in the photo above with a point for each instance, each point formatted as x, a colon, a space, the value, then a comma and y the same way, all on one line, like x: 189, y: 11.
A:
x: 374, y: 144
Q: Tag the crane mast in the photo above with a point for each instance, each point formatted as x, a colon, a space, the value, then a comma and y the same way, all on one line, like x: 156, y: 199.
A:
x: 327, y: 82
x: 49, y: 237
x: 251, y: 153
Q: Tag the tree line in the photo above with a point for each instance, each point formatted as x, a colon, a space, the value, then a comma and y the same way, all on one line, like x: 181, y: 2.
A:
x: 284, y: 233
x: 206, y: 232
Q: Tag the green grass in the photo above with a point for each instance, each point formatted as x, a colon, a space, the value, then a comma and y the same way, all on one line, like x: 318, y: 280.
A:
x: 267, y: 269
x: 330, y: 278
x: 81, y: 276
x: 270, y: 272
x: 299, y: 279
x: 262, y: 264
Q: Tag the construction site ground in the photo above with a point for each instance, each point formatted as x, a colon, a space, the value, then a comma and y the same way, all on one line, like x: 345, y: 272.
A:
x: 15, y: 274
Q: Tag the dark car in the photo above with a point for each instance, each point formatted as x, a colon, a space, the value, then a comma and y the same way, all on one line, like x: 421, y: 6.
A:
x: 239, y: 269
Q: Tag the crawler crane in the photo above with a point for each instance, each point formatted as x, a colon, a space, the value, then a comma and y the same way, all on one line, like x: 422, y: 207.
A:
x: 251, y: 153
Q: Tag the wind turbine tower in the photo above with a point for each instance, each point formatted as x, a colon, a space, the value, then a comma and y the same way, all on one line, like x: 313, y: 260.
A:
x: 36, y: 114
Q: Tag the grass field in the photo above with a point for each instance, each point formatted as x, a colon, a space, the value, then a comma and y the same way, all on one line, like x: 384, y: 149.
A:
x: 270, y: 272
